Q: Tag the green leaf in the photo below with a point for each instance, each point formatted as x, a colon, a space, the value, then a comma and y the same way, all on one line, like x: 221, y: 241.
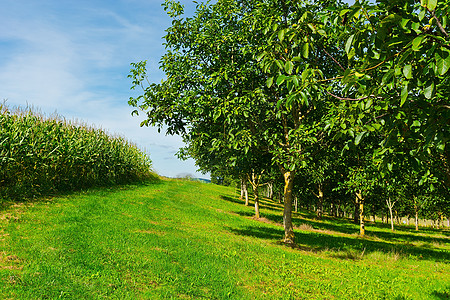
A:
x: 442, y: 61
x: 304, y: 98
x: 295, y: 80
x: 217, y: 114
x: 348, y: 45
x: 389, y: 74
x: 431, y: 4
x: 305, y: 74
x: 260, y: 56
x: 281, y: 79
x: 281, y: 34
x: 280, y: 64
x: 404, y: 94
x: 416, y: 42
x: 305, y: 50
x: 269, y: 82
x: 289, y: 67
x: 368, y: 104
x: 311, y: 26
x: 404, y: 56
x: 407, y: 71
x: 428, y: 91
x: 359, y: 137
x: 421, y: 14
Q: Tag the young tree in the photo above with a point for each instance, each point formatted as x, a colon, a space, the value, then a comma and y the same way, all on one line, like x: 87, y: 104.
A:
x: 214, y: 80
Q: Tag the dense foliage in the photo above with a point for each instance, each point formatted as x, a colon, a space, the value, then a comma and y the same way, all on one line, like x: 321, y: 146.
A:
x: 41, y: 155
x: 349, y: 102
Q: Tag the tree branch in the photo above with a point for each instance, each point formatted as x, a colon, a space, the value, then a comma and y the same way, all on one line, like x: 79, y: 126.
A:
x: 439, y: 24
x: 334, y: 60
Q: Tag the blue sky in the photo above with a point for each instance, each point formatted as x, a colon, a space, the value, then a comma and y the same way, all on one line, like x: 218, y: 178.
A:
x: 73, y: 58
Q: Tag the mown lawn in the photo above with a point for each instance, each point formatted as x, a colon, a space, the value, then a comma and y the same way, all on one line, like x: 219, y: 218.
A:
x: 190, y: 240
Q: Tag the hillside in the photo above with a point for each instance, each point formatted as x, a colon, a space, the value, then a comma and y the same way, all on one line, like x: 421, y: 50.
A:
x: 190, y: 240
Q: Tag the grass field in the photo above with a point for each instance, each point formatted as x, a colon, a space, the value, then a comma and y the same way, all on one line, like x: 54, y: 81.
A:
x: 190, y: 240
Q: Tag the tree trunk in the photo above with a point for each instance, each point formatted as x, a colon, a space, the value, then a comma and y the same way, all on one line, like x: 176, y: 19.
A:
x: 296, y: 203
x: 416, y: 221
x: 390, y: 205
x: 245, y: 191
x: 356, y: 213
x: 334, y: 209
x: 319, y: 200
x: 289, y: 236
x: 242, y: 189
x: 254, y: 180
x: 362, y: 230
x: 255, y: 191
x: 270, y: 190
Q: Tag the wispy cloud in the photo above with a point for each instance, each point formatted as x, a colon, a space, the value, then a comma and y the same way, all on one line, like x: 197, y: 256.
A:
x: 75, y: 60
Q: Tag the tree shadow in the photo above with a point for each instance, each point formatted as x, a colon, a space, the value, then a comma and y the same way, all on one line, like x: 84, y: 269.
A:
x: 442, y: 295
x: 266, y: 233
x: 232, y: 199
x: 329, y: 233
x: 345, y: 247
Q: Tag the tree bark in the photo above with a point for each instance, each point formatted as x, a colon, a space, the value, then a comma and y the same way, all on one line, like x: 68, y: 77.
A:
x: 244, y: 191
x: 390, y: 205
x: 360, y: 199
x: 270, y: 190
x: 289, y: 236
x: 416, y: 221
x: 356, y: 213
x: 257, y: 215
x: 254, y: 180
x: 319, y: 200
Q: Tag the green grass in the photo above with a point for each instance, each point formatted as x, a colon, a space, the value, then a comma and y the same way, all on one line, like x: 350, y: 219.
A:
x: 189, y: 240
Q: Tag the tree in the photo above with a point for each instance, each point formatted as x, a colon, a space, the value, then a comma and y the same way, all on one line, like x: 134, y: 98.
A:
x: 214, y: 80
x: 290, y: 55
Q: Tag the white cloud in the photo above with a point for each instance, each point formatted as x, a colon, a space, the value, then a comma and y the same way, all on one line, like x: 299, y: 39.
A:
x: 75, y: 60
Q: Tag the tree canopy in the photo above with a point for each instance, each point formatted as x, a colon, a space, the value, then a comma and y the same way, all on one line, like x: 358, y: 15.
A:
x: 301, y: 85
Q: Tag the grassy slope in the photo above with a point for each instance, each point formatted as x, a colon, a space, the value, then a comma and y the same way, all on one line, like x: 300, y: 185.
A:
x: 188, y: 240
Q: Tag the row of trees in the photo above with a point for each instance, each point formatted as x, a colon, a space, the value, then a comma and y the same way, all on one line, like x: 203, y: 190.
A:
x: 332, y: 98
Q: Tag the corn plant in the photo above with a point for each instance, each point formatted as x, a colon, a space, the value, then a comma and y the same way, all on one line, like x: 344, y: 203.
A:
x: 44, y: 155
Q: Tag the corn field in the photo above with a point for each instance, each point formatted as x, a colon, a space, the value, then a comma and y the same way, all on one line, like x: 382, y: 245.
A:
x: 41, y: 156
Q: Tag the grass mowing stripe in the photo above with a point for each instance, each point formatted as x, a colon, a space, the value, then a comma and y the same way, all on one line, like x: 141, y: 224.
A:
x: 188, y: 240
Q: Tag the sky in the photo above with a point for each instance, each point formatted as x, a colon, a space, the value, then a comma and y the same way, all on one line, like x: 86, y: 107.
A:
x: 73, y: 58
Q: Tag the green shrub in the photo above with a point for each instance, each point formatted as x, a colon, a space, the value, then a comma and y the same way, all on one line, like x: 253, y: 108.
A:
x: 41, y: 156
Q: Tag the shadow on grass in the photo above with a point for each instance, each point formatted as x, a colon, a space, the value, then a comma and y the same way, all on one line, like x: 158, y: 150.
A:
x: 442, y: 295
x: 232, y: 199
x: 316, y: 242
x: 99, y: 189
x: 395, y: 243
x: 273, y: 212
